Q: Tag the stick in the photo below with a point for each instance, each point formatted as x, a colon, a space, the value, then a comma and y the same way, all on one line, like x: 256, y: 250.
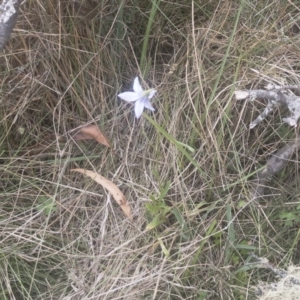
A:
x: 275, y: 164
x: 8, y: 17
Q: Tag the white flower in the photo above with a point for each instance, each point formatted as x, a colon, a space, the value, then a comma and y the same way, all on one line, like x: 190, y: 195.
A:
x: 139, y: 96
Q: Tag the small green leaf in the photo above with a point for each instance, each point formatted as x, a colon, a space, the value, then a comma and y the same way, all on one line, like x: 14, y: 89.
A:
x: 157, y: 208
x: 241, y: 204
x: 185, y: 230
x: 191, y: 149
x: 157, y: 220
x: 47, y: 205
x: 163, y: 247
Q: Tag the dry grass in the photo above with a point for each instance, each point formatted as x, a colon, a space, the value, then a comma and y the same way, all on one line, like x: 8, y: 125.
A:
x: 61, y: 70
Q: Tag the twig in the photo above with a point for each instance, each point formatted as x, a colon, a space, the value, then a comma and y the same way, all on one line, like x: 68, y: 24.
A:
x: 8, y: 17
x: 263, y: 262
x: 275, y: 164
x: 275, y: 98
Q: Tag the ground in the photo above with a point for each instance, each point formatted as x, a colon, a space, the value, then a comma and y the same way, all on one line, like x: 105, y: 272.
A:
x: 186, y: 169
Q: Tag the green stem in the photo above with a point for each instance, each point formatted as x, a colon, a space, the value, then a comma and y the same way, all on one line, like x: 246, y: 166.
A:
x: 155, y: 5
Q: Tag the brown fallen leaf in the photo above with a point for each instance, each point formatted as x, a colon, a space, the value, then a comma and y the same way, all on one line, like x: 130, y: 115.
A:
x: 111, y: 187
x: 89, y: 132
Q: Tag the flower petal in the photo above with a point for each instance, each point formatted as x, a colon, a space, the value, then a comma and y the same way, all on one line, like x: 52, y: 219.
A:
x: 151, y: 94
x: 148, y: 105
x: 136, y: 85
x: 129, y: 96
x: 139, y: 107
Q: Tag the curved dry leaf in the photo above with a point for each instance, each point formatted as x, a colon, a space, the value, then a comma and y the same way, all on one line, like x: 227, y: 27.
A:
x: 111, y: 187
x: 91, y: 132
